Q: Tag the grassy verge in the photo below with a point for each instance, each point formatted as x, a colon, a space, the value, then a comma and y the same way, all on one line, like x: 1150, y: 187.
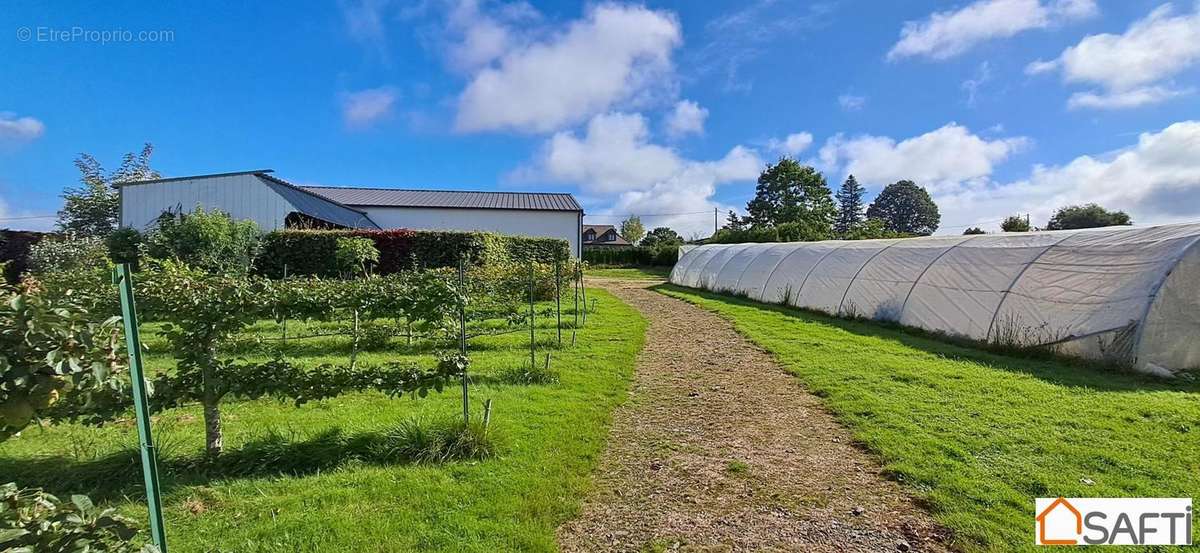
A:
x: 977, y: 435
x: 633, y: 273
x: 325, y: 476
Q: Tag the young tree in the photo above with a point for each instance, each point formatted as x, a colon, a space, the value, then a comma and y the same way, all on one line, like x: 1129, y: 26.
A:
x: 208, y: 240
x: 1015, y: 223
x: 93, y: 209
x: 660, y: 237
x: 632, y: 229
x: 973, y: 230
x: 906, y: 208
x: 788, y: 192
x: 1086, y: 216
x: 850, y: 206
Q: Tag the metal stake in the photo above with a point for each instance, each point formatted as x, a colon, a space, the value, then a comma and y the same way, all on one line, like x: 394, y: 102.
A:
x: 123, y: 278
x: 532, y: 358
x: 558, y: 298
x: 462, y: 338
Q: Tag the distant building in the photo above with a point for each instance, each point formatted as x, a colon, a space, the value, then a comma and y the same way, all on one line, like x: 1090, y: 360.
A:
x: 603, y: 236
x: 273, y: 203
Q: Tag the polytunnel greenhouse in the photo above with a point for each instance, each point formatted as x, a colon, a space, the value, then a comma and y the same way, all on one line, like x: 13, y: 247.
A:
x: 1128, y: 295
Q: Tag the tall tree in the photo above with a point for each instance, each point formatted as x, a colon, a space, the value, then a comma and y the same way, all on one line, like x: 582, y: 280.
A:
x: 1086, y: 216
x: 850, y: 206
x: 661, y: 236
x: 94, y: 208
x: 733, y: 222
x: 1015, y: 223
x: 789, y: 192
x: 906, y: 208
x: 632, y: 229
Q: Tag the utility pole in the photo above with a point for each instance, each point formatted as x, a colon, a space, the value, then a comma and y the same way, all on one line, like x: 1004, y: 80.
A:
x: 715, y: 221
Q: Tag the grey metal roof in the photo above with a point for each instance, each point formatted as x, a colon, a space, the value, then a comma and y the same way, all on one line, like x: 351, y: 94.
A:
x: 395, y: 197
x: 316, y: 206
x: 259, y: 172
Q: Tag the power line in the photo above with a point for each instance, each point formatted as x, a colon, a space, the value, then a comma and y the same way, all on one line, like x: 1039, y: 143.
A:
x: 625, y: 215
x: 28, y: 217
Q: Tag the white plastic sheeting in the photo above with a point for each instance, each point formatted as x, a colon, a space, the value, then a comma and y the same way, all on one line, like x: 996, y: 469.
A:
x: 1130, y: 295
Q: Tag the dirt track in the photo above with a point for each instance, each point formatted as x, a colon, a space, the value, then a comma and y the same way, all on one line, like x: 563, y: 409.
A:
x: 719, y: 449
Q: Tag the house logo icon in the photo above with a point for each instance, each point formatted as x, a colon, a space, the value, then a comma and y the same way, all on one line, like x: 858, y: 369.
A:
x: 1060, y: 509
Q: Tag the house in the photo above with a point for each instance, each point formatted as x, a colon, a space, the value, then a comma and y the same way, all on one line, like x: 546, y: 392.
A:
x: 274, y: 203
x: 603, y: 236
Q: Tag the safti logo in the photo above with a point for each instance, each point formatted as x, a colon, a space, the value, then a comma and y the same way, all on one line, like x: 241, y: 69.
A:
x: 1111, y: 521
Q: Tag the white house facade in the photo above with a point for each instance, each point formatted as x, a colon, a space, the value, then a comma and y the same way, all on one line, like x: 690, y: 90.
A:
x: 273, y: 203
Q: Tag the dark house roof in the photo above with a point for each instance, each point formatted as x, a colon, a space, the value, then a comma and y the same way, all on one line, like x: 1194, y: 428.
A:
x: 396, y: 197
x: 600, y: 231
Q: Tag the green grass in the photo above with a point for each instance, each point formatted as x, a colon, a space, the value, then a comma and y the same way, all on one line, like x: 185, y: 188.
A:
x: 328, y: 476
x: 632, y: 273
x: 976, y: 436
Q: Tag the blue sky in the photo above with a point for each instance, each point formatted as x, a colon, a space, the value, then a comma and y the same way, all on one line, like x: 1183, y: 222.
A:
x: 997, y: 106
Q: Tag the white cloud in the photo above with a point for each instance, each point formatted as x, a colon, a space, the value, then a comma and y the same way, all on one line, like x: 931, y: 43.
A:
x: 1124, y: 99
x: 615, y: 163
x: 940, y: 159
x: 365, y: 23
x: 1130, y: 67
x: 478, y: 37
x: 685, y: 118
x: 946, y: 34
x: 972, y: 85
x: 364, y: 108
x: 20, y: 129
x: 792, y: 144
x: 851, y: 102
x: 740, y: 36
x: 1156, y: 180
x: 614, y: 54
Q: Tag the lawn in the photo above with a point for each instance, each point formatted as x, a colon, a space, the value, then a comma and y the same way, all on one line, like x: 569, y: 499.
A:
x: 631, y: 273
x: 310, y: 479
x: 977, y: 436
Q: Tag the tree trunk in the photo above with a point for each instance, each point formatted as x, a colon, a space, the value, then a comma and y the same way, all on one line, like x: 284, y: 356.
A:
x: 210, y: 399
x: 213, y: 442
x: 354, y: 344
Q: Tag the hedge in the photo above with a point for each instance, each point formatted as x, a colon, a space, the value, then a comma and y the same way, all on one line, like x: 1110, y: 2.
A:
x: 311, y: 252
x: 636, y: 256
x: 14, y: 250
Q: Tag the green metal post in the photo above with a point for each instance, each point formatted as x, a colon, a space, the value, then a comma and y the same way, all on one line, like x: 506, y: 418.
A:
x: 462, y: 337
x: 558, y: 299
x: 124, y: 280
x: 532, y: 356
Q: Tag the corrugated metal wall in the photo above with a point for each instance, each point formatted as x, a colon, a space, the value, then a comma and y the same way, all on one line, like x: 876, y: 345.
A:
x: 242, y: 196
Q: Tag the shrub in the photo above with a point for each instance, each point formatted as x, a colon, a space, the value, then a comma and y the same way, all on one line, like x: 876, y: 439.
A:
x: 14, y: 249
x: 51, y: 351
x: 123, y: 245
x: 209, y: 240
x: 375, y: 336
x: 313, y: 252
x: 67, y: 254
x: 33, y: 520
x: 355, y: 256
x: 636, y: 257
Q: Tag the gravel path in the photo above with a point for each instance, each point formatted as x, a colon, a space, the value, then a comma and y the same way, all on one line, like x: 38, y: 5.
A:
x: 719, y: 449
